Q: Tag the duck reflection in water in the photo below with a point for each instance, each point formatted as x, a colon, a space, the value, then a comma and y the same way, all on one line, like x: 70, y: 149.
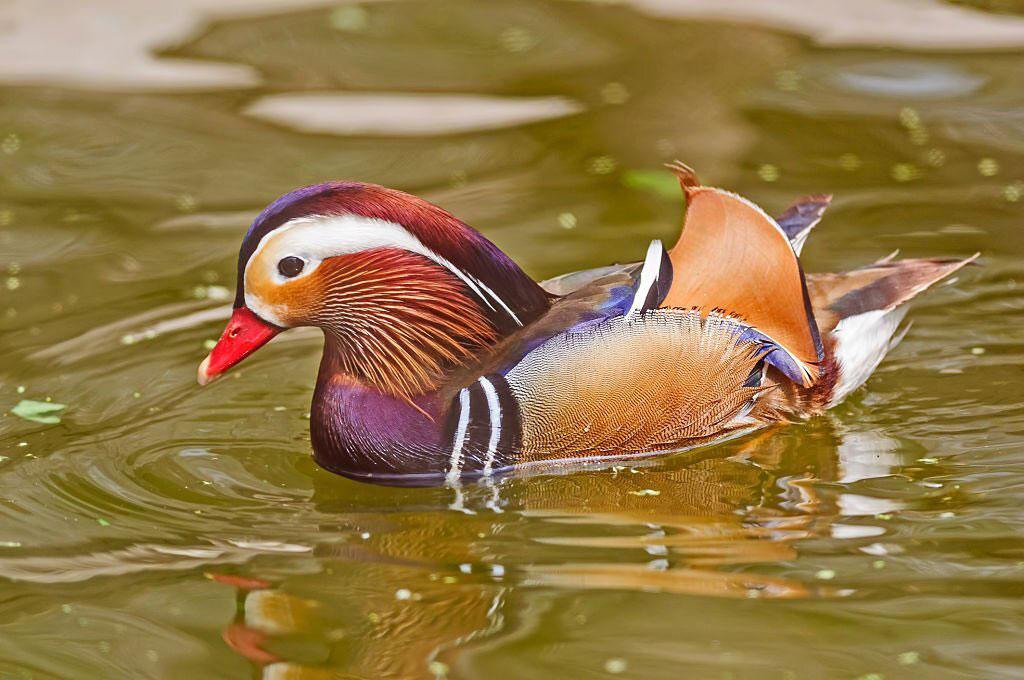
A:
x: 406, y: 599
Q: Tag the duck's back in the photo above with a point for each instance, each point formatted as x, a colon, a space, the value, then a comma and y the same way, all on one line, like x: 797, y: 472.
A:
x: 703, y: 342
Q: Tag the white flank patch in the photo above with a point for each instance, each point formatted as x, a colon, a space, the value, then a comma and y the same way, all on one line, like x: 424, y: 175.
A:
x: 455, y: 465
x: 406, y: 115
x: 316, y: 238
x: 648, y: 276
x: 862, y: 341
x: 494, y: 407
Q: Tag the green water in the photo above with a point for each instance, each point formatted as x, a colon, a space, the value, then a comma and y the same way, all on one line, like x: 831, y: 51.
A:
x: 883, y: 541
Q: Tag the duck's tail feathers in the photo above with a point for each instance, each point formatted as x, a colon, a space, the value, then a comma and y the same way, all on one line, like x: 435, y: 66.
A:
x: 860, y: 312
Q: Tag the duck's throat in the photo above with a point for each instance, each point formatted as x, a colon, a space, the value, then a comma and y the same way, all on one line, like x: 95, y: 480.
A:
x: 469, y: 428
x: 362, y: 430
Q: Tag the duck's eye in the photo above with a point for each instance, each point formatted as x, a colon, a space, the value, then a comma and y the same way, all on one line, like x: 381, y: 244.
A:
x: 290, y: 266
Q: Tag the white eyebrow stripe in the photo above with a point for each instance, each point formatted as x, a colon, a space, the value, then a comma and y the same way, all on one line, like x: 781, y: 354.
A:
x: 317, y: 237
x: 494, y: 408
x: 455, y: 464
x: 648, y: 276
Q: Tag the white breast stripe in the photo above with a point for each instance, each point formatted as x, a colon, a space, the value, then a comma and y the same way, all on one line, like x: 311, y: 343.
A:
x: 455, y: 468
x: 648, y: 276
x: 494, y: 406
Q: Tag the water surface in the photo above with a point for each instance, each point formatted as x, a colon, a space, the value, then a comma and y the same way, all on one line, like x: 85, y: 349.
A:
x: 164, y: 531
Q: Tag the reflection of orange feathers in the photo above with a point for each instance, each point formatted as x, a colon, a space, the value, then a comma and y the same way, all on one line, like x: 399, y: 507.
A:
x: 732, y: 256
x: 639, y: 384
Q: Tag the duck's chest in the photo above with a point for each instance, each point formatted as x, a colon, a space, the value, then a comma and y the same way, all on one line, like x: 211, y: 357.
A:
x: 362, y: 433
x: 621, y: 388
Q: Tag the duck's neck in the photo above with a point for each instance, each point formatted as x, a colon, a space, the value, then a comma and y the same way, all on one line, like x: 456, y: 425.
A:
x: 383, y: 405
x: 362, y: 432
x: 463, y: 430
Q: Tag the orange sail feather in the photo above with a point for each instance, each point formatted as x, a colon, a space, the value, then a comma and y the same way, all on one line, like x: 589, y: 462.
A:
x: 734, y: 258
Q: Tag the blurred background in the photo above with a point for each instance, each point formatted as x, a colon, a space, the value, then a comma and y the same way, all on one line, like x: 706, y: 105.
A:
x: 152, y: 530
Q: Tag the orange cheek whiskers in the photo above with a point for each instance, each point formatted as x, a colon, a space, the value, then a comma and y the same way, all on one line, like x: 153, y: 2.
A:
x: 400, y: 320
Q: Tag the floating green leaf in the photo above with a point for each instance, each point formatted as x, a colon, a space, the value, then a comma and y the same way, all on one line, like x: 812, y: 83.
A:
x: 659, y: 182
x: 38, y: 411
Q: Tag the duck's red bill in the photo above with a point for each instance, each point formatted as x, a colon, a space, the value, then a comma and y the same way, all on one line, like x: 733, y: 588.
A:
x: 244, y: 334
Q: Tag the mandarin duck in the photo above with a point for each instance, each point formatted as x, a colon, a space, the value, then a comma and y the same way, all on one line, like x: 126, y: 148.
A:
x: 444, y: 361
